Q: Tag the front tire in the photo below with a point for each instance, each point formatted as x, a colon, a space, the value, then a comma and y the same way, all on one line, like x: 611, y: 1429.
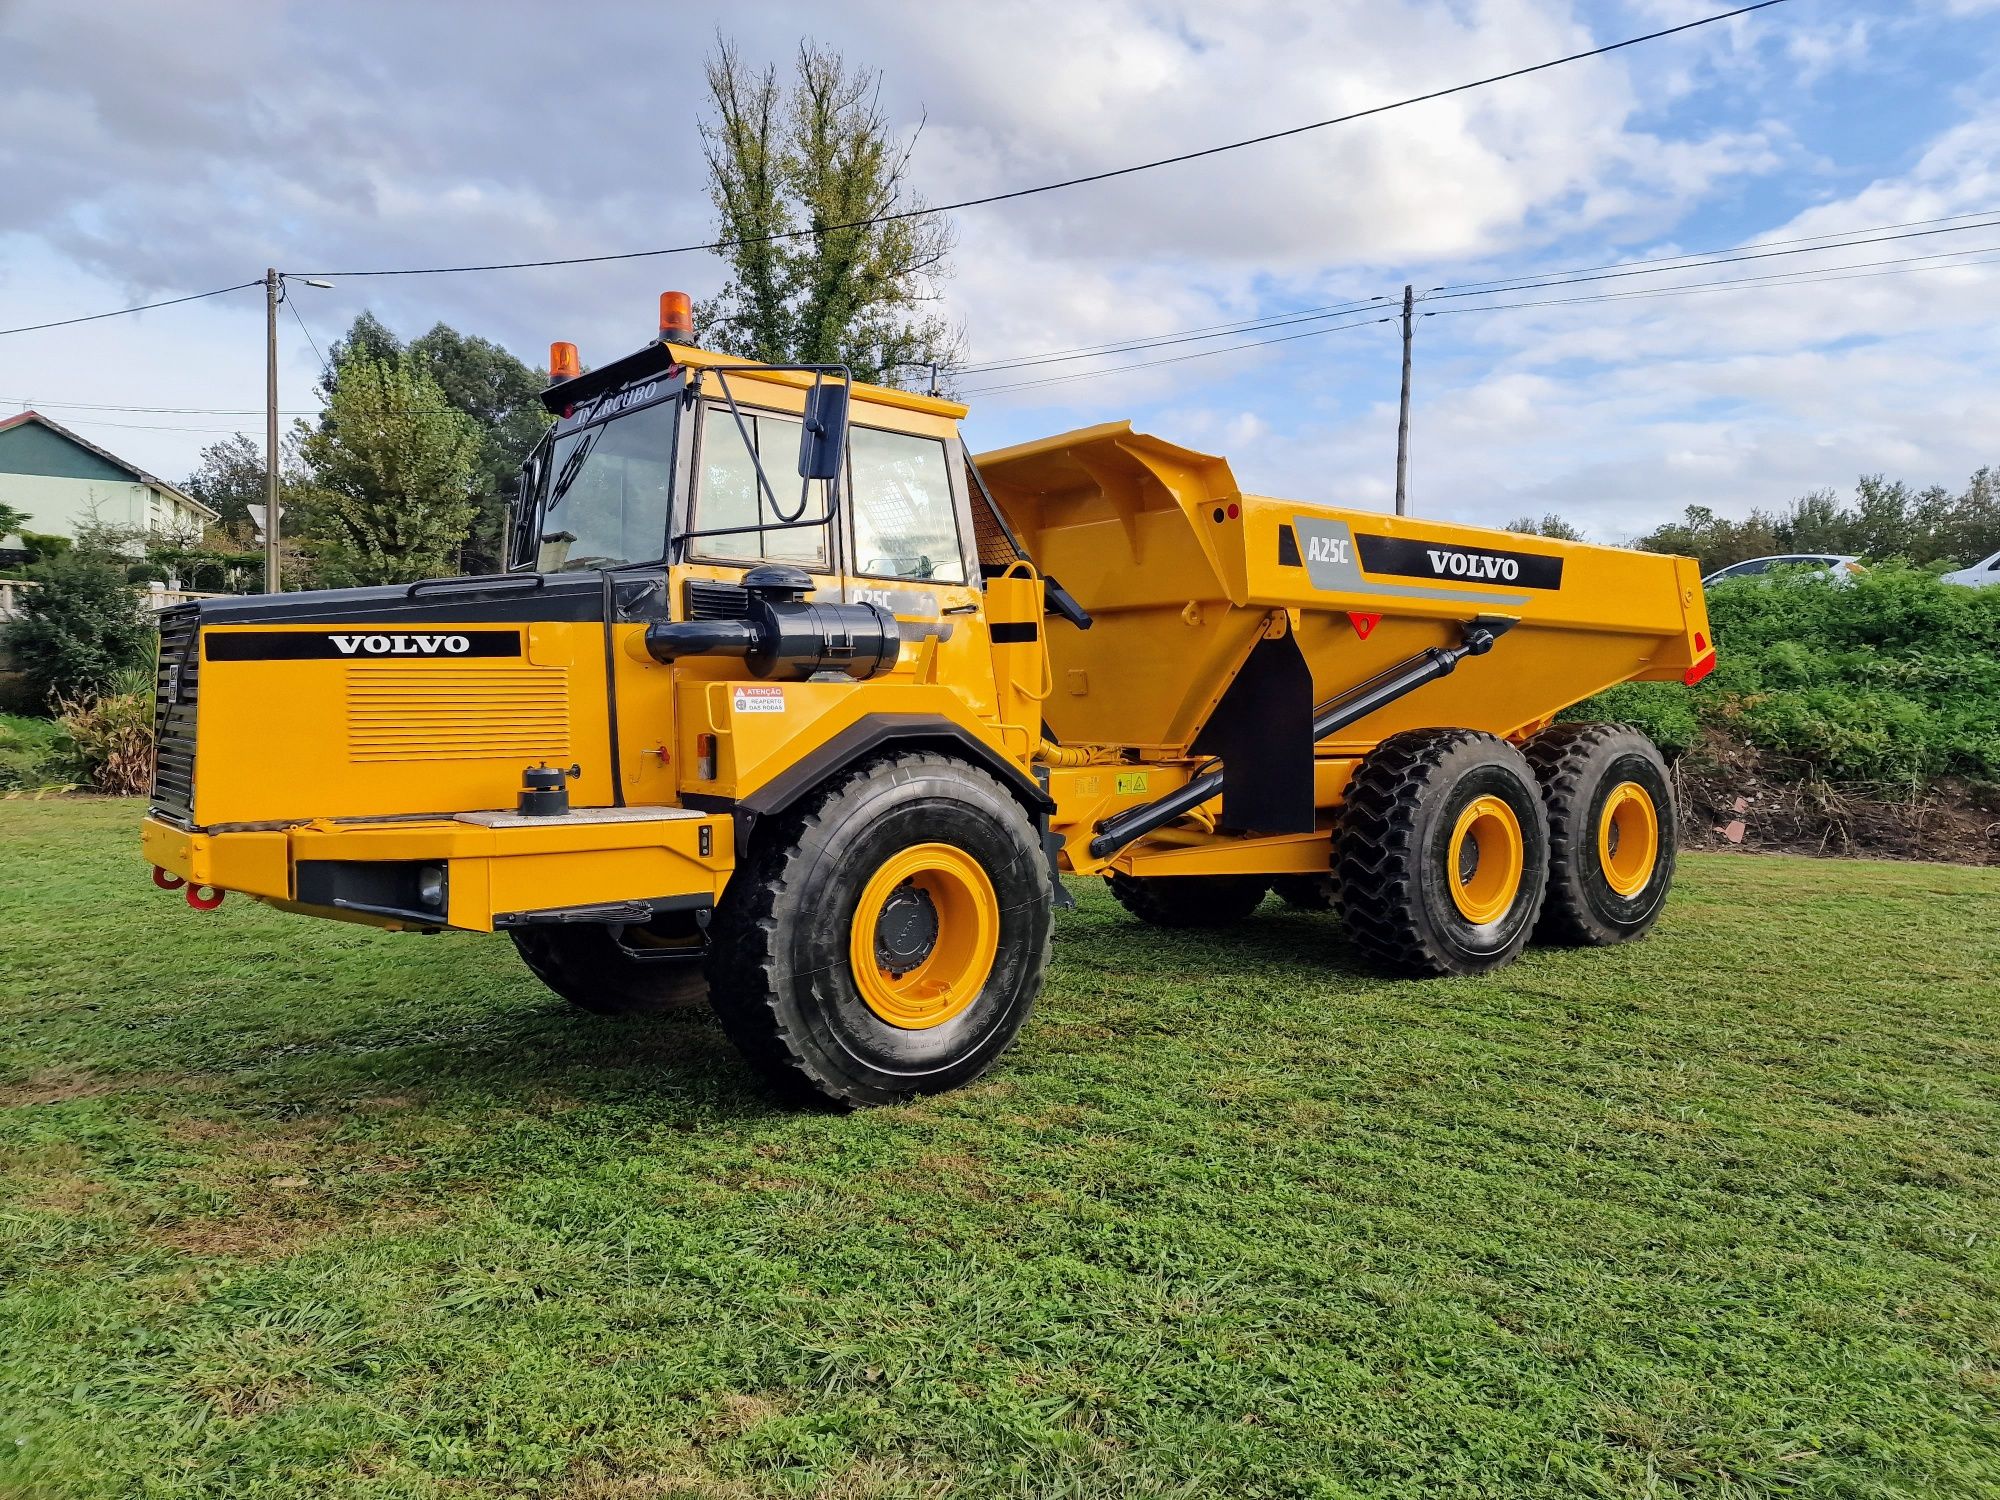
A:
x: 1441, y: 853
x: 886, y: 939
x: 612, y: 970
x: 1613, y: 833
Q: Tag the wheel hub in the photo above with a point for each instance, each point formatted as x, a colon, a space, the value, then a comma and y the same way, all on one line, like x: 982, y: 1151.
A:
x: 924, y: 935
x: 1486, y: 854
x: 907, y: 929
x: 1628, y: 839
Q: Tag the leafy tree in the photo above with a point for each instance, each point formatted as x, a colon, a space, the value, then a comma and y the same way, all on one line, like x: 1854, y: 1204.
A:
x: 80, y: 630
x: 805, y: 163
x: 11, y: 519
x: 1885, y: 520
x: 392, y: 472
x: 1552, y: 526
x: 503, y: 396
x: 229, y: 480
x: 485, y: 382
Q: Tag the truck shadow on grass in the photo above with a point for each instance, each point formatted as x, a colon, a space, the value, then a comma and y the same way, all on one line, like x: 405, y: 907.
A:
x: 527, y: 1044
x: 541, y: 1054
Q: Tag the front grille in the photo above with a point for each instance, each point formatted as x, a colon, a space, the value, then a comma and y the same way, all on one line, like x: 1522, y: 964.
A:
x: 456, y: 711
x: 173, y: 713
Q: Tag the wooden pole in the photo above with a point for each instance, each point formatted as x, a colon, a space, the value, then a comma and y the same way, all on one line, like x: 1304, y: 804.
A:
x: 1403, y: 418
x: 274, y: 582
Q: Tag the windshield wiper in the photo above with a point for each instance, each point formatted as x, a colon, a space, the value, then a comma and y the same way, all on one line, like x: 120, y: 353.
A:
x: 572, y: 466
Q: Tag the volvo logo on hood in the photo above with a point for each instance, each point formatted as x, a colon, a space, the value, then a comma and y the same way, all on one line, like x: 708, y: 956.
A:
x: 357, y: 645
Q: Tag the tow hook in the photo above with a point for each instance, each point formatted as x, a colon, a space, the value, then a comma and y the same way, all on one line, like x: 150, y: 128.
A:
x: 165, y: 881
x: 204, y: 897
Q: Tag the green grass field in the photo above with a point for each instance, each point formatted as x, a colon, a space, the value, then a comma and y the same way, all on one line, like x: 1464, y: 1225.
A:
x: 296, y: 1209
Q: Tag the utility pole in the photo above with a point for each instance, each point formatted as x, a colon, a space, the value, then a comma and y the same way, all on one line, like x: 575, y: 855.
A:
x: 1402, y: 420
x: 273, y: 287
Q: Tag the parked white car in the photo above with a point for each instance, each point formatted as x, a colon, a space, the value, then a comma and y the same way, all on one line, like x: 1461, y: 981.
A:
x: 1980, y: 575
x: 1827, y: 564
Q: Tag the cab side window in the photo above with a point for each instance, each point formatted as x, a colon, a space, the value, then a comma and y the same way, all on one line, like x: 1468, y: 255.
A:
x: 727, y: 493
x: 905, y: 525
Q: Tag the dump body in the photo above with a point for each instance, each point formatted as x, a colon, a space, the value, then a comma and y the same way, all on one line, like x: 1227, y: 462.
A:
x: 1181, y: 570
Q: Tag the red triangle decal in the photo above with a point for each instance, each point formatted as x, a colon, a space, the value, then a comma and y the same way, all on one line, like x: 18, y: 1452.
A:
x: 1364, y: 625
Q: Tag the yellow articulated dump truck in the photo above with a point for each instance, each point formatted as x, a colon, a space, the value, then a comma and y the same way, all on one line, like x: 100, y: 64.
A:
x: 788, y: 701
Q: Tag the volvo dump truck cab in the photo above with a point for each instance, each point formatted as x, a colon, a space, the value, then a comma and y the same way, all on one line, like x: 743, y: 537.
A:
x: 787, y: 701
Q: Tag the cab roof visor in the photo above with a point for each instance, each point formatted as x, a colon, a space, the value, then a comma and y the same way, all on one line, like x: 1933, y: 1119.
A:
x: 654, y: 359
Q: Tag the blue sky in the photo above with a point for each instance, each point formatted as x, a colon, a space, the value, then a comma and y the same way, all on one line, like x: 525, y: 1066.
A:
x: 152, y: 150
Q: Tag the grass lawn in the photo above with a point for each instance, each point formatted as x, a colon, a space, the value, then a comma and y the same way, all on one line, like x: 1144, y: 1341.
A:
x: 295, y: 1209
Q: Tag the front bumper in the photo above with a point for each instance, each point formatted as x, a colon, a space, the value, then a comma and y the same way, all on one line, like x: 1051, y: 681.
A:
x: 476, y: 871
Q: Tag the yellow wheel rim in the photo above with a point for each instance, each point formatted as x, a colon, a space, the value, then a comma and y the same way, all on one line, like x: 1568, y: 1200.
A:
x: 1628, y: 838
x: 924, y: 936
x: 1486, y: 856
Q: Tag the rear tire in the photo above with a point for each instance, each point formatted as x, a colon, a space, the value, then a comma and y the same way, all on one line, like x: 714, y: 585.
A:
x: 1613, y: 833
x: 615, y: 970
x: 1188, y: 900
x: 1441, y: 853
x: 887, y: 938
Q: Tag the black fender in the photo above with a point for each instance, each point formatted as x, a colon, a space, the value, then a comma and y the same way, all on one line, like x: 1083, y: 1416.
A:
x: 865, y: 737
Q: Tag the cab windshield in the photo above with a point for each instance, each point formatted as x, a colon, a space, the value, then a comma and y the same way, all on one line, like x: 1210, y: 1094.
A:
x: 606, y: 489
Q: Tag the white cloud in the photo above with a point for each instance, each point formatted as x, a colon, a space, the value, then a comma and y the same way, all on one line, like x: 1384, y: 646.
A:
x: 158, y: 149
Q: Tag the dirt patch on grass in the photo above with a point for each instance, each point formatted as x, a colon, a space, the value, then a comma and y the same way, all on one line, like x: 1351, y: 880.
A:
x: 65, y: 1086
x: 1735, y: 797
x: 274, y: 1229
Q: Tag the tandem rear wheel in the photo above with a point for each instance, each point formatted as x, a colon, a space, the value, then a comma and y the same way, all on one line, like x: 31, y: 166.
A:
x: 1441, y: 853
x: 886, y: 938
x: 1613, y: 832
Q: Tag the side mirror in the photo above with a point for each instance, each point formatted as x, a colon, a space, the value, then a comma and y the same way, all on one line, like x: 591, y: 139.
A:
x: 825, y: 436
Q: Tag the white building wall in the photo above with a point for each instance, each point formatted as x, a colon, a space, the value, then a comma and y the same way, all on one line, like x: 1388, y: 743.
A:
x: 61, y: 506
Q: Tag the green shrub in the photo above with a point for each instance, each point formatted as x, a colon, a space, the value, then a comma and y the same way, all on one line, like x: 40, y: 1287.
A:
x: 112, y: 738
x: 1665, y: 711
x: 34, y: 753
x: 44, y: 546
x: 79, y: 631
x: 1892, y: 677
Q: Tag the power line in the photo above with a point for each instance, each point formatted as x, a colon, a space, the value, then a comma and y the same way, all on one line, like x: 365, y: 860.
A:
x: 990, y: 198
x: 1069, y: 182
x: 1792, y: 278
x: 1185, y: 335
x: 1530, y: 284
x: 1502, y: 283
x: 1022, y: 385
x: 1795, y: 278
x: 120, y: 312
x: 306, y: 331
x: 147, y: 426
x: 1692, y: 260
x: 176, y: 411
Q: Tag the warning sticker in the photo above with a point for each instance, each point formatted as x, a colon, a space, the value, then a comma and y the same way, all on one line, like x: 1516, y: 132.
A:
x: 759, y: 700
x: 1131, y: 781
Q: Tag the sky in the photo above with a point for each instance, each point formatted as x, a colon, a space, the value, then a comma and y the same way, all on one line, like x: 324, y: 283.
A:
x: 152, y: 150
